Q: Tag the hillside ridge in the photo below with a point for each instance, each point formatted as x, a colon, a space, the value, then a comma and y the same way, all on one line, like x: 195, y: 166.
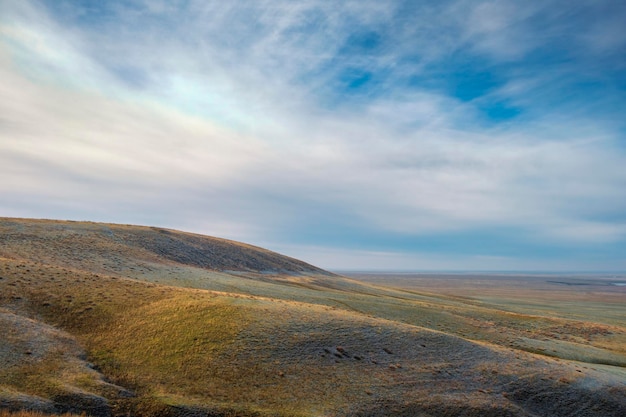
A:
x: 92, y: 239
x: 120, y: 320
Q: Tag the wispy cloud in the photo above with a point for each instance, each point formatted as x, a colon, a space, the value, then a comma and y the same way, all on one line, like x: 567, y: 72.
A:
x: 287, y: 123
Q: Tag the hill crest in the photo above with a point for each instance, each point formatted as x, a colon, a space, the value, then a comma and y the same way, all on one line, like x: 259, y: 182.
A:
x: 95, y: 242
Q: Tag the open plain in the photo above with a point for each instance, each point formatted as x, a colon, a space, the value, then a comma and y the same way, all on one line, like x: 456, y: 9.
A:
x: 109, y: 319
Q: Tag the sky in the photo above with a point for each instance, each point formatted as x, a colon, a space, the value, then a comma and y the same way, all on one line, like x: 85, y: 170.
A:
x: 362, y: 135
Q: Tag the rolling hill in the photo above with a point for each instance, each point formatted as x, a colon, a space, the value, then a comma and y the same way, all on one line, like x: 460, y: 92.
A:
x: 109, y: 319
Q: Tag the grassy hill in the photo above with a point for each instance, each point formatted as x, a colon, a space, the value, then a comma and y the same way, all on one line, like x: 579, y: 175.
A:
x: 118, y: 320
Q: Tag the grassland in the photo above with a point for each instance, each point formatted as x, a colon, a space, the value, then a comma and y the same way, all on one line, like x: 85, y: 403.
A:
x: 127, y: 320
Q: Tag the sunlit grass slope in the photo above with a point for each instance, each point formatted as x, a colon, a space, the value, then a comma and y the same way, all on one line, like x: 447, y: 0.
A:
x: 82, y: 337
x: 188, y: 260
x: 163, y: 348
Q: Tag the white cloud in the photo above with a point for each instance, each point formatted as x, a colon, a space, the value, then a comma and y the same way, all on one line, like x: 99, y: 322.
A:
x: 227, y: 124
x: 86, y: 135
x: 499, y: 28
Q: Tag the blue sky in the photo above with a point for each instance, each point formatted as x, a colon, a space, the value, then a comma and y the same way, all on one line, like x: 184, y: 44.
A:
x: 403, y: 135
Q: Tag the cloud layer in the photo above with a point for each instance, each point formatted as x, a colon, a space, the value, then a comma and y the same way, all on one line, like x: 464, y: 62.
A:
x: 470, y: 134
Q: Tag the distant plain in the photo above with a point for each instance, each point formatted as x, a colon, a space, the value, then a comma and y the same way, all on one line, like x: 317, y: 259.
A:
x: 600, y: 297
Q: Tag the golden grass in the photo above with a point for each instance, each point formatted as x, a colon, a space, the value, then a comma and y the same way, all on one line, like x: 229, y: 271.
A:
x: 88, y: 246
x: 248, y: 355
x: 170, y: 345
x: 25, y: 413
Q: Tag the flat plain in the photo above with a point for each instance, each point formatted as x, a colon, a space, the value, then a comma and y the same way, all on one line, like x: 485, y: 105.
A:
x: 581, y: 306
x: 113, y: 320
x: 600, y: 297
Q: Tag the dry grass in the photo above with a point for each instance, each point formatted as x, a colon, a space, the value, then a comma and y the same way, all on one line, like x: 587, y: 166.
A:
x: 24, y: 413
x: 170, y: 346
x: 274, y: 345
x: 488, y: 315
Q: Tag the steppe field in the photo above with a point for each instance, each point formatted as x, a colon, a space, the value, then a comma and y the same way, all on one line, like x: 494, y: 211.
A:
x: 121, y: 320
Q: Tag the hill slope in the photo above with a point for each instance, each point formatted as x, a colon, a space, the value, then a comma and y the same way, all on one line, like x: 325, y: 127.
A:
x: 117, y: 248
x: 121, y: 320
